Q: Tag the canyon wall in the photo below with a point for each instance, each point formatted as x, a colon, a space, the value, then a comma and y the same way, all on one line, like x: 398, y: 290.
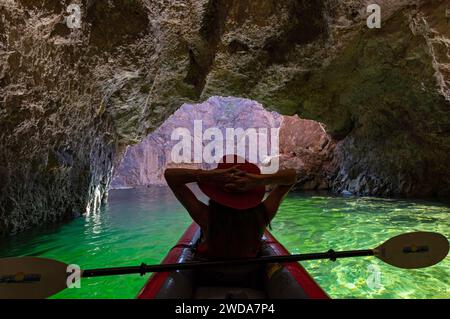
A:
x: 303, y: 144
x: 72, y: 99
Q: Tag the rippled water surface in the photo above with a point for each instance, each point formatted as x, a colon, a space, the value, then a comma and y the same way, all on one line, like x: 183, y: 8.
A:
x: 142, y: 225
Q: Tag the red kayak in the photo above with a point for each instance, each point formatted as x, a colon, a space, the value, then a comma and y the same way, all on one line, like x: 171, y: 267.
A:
x: 273, y: 281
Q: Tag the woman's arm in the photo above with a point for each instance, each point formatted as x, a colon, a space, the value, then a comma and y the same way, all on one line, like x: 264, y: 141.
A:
x: 282, y: 177
x: 177, y: 178
x: 248, y: 181
x: 284, y: 181
x: 180, y: 176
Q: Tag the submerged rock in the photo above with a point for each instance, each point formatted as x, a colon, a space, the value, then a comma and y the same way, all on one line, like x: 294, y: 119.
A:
x: 73, y: 99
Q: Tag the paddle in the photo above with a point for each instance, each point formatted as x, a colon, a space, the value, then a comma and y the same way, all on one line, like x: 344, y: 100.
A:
x: 33, y: 277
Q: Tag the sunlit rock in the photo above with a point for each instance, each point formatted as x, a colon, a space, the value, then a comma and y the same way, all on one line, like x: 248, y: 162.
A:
x: 303, y: 144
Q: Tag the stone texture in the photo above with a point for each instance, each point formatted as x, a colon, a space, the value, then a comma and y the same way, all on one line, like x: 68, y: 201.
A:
x: 71, y: 100
x: 304, y: 145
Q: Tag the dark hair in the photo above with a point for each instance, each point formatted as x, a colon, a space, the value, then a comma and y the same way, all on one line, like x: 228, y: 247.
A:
x: 236, y: 228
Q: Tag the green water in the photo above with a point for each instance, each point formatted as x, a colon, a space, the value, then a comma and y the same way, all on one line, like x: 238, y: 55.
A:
x: 142, y: 225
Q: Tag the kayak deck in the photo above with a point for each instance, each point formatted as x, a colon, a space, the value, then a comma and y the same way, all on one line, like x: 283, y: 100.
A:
x: 274, y: 281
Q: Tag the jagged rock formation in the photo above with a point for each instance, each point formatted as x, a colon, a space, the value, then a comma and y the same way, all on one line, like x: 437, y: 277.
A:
x: 72, y: 99
x: 303, y: 144
x: 306, y: 147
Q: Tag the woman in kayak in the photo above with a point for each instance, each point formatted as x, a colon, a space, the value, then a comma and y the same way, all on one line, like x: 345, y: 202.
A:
x: 234, y: 221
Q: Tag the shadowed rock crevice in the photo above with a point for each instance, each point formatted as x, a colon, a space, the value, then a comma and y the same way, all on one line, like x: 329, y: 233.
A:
x: 116, y: 23
x: 211, y: 31
x: 306, y: 22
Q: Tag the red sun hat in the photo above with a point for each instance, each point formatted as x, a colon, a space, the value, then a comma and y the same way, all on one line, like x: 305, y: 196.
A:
x: 236, y: 200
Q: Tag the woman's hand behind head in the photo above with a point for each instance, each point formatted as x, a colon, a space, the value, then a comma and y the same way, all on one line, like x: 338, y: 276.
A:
x: 223, y: 176
x: 242, y: 183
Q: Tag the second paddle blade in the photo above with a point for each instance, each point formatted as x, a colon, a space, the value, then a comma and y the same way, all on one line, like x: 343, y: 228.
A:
x: 31, y: 277
x: 414, y: 250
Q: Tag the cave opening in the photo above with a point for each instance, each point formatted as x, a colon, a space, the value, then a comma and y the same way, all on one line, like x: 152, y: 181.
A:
x: 222, y: 126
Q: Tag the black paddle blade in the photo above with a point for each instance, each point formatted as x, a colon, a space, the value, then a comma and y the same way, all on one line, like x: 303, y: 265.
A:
x: 31, y: 277
x: 414, y: 250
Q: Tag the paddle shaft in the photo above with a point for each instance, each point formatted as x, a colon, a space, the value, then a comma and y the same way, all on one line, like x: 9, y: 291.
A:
x: 143, y: 269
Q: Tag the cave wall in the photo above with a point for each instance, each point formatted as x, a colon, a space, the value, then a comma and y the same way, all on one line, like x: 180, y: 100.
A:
x: 58, y: 140
x: 390, y: 89
x: 72, y: 99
